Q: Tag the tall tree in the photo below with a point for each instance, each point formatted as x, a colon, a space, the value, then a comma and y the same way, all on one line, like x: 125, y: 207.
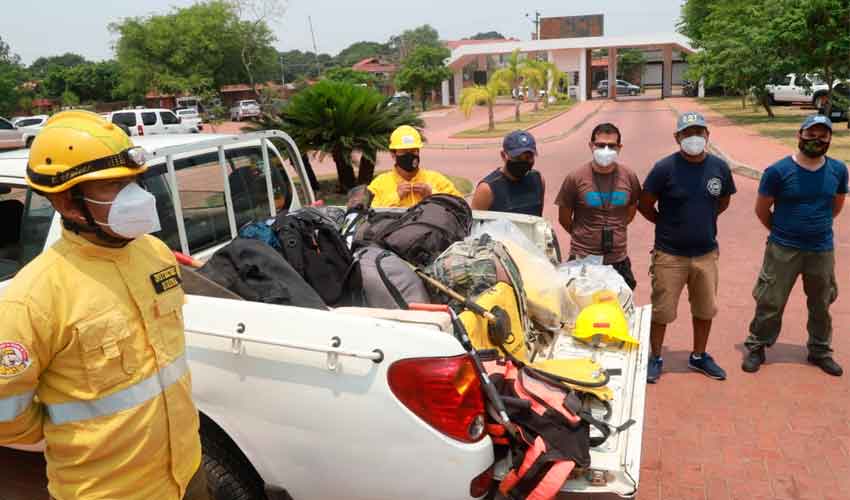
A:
x: 188, y: 49
x: 423, y: 70
x: 41, y: 66
x: 816, y: 34
x: 488, y: 35
x: 11, y: 75
x: 405, y: 43
x: 740, y: 49
x: 254, y: 36
x: 511, y: 76
x: 534, y: 76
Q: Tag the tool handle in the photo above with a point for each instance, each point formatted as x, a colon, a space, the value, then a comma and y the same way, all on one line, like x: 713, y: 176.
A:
x: 187, y: 260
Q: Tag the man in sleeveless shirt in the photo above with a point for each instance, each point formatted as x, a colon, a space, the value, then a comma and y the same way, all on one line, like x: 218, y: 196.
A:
x: 515, y: 186
x: 598, y: 201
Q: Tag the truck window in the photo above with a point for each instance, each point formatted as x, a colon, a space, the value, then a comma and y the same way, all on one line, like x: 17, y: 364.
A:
x: 149, y: 118
x: 26, y: 220
x: 128, y: 119
x: 4, y: 125
x: 201, y: 191
x: 168, y: 118
x: 787, y: 80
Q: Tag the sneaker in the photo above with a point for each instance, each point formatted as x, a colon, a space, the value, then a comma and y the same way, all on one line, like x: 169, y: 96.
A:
x: 828, y: 365
x: 753, y: 360
x: 706, y: 365
x: 653, y: 371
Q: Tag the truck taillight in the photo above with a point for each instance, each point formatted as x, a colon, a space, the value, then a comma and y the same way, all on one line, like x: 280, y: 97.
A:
x: 140, y: 130
x: 444, y: 392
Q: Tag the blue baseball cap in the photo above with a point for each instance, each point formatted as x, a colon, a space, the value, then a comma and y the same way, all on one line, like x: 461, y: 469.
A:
x: 813, y: 120
x: 690, y: 119
x: 519, y: 142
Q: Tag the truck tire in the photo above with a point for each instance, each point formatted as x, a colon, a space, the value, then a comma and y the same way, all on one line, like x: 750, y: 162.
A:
x: 230, y: 475
x: 29, y: 142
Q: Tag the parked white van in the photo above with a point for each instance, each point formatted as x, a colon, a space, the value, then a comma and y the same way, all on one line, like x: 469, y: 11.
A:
x: 151, y: 121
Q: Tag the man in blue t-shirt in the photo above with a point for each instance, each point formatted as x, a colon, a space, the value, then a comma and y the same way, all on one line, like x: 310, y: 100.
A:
x: 806, y: 191
x: 691, y: 188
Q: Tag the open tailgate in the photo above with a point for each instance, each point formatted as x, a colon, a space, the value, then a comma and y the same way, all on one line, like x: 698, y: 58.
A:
x: 615, y: 465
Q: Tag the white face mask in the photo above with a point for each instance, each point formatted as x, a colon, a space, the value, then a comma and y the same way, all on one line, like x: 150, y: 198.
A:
x: 693, y: 145
x: 132, y: 214
x: 604, y: 156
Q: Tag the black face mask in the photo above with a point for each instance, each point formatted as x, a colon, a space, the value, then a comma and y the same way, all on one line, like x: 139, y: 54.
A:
x: 408, y: 162
x: 518, y: 168
x: 813, y: 148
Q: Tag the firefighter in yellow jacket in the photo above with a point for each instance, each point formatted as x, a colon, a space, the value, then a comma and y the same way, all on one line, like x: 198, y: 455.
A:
x: 92, y: 347
x: 407, y: 184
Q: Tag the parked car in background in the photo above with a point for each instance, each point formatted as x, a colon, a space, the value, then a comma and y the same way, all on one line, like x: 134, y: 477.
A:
x: 244, y: 109
x: 36, y: 121
x: 189, y: 102
x: 150, y: 121
x: 12, y: 137
x: 623, y: 88
x: 190, y: 118
x: 400, y: 99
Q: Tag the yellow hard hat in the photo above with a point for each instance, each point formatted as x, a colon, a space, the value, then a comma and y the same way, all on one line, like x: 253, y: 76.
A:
x: 79, y: 146
x: 405, y: 137
x: 604, y: 319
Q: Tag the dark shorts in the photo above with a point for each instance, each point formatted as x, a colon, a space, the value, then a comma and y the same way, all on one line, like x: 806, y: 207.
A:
x: 624, y: 268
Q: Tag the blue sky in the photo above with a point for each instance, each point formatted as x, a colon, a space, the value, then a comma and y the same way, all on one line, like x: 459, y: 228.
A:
x: 80, y: 26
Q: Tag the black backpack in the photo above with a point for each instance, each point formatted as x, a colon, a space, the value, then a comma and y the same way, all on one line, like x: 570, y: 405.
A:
x: 311, y: 242
x: 257, y: 272
x: 421, y: 233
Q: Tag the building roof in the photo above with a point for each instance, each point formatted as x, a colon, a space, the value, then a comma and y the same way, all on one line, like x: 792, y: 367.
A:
x: 374, y: 65
x: 453, y: 44
x: 466, y: 53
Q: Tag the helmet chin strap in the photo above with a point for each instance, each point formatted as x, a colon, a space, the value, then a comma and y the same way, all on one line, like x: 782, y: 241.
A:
x: 91, y: 226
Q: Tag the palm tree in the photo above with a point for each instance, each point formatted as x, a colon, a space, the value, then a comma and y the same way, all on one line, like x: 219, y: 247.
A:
x: 338, y: 118
x: 511, y: 76
x: 534, y: 75
x: 482, y: 94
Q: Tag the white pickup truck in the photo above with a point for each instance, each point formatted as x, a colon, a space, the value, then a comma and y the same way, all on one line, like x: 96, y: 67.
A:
x: 298, y: 403
x: 801, y: 88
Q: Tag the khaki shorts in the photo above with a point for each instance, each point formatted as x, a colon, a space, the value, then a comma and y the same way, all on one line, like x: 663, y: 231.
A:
x: 670, y: 274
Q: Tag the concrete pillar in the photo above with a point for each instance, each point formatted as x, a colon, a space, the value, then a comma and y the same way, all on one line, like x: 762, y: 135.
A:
x: 458, y: 81
x: 701, y: 91
x: 444, y: 92
x: 583, y: 76
x: 667, y: 72
x: 612, y: 73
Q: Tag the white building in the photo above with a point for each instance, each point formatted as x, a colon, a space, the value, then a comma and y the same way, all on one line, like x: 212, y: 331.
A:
x: 472, y: 63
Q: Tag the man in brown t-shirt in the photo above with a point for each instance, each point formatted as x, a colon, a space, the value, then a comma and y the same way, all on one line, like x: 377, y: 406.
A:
x: 597, y: 202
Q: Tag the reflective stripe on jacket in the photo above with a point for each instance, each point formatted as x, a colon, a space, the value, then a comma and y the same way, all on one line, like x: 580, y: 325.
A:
x: 96, y: 366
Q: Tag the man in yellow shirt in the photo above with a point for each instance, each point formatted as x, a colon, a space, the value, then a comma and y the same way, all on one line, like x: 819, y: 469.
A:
x: 92, y: 343
x: 407, y: 184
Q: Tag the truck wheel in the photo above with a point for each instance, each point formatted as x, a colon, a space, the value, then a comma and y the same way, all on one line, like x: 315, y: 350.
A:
x: 29, y: 142
x: 230, y: 475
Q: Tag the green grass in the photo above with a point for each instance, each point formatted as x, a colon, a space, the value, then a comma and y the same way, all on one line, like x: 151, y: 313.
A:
x: 783, y: 127
x: 328, y: 188
x: 526, y: 121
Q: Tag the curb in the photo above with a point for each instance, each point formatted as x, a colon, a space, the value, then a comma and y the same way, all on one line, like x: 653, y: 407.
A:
x: 545, y: 140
